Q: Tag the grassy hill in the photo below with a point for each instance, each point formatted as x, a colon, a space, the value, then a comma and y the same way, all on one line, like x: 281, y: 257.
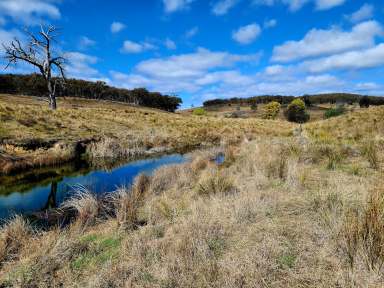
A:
x: 289, y: 207
x: 32, y: 135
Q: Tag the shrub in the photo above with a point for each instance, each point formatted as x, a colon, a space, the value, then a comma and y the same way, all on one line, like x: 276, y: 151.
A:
x: 271, y: 110
x: 199, y: 112
x: 334, y: 112
x: 253, y: 105
x: 364, y: 102
x: 296, y: 112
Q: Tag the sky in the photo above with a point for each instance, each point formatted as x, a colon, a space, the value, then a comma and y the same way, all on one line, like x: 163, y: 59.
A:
x: 207, y: 49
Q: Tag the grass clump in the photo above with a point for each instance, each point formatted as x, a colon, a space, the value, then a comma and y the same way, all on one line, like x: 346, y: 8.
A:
x: 86, y: 206
x: 214, y: 182
x: 126, y: 202
x: 363, y: 233
x: 12, y: 238
x: 370, y: 151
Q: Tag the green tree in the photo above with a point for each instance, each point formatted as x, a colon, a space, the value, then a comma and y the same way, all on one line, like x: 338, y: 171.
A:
x: 296, y: 112
x: 271, y: 110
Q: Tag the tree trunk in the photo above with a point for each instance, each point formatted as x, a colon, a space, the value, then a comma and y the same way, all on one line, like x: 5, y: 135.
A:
x: 52, y: 102
x: 52, y: 96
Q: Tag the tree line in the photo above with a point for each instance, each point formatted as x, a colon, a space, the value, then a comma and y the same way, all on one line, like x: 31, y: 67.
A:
x: 34, y: 85
x: 333, y: 98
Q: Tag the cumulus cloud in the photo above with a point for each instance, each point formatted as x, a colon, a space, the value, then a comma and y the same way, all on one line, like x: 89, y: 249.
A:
x: 171, y: 6
x: 135, y: 47
x: 185, y: 72
x: 80, y: 65
x: 247, y: 34
x: 319, y: 42
x: 364, y: 13
x: 86, y: 43
x: 29, y: 11
x: 223, y: 6
x: 116, y: 27
x: 353, y: 60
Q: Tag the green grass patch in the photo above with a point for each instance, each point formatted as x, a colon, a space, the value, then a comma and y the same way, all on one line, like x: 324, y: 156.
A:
x: 98, y: 250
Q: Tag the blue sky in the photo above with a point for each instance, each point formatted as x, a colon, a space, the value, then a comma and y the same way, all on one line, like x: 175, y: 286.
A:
x: 205, y: 49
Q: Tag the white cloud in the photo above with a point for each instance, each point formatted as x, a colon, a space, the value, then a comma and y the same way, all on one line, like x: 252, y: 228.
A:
x: 295, y: 5
x: 222, y: 7
x: 274, y: 70
x: 80, y: 65
x: 29, y: 11
x: 328, y: 4
x: 135, y: 47
x: 319, y: 42
x: 185, y: 72
x: 171, y: 45
x: 116, y: 27
x: 367, y: 86
x: 364, y: 13
x: 247, y: 34
x: 270, y: 23
x: 191, y: 65
x: 353, y: 60
x: 171, y: 6
x: 191, y: 32
x: 2, y: 21
x: 86, y: 43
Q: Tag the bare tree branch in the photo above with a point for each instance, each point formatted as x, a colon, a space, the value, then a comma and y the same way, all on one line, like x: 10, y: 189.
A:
x: 38, y: 53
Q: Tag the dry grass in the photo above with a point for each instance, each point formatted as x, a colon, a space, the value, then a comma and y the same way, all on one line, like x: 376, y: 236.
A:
x: 116, y: 130
x: 13, y: 235
x: 300, y: 217
x: 85, y: 204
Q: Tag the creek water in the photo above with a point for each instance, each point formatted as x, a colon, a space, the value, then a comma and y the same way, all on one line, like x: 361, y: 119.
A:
x: 43, y: 190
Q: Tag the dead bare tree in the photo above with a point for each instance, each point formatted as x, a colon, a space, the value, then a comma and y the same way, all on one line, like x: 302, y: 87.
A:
x: 39, y: 52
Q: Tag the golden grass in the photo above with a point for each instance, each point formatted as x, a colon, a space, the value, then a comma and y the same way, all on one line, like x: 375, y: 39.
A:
x: 29, y: 131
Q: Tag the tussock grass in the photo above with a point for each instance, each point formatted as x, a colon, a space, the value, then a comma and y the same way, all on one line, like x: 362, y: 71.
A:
x: 12, y: 238
x: 215, y: 182
x: 363, y: 233
x: 127, y: 202
x: 85, y: 204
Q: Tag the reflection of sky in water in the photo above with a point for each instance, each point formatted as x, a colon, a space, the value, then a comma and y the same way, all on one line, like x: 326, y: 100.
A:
x: 97, y: 181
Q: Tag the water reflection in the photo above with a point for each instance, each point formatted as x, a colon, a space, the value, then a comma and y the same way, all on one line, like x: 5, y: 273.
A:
x: 36, y: 193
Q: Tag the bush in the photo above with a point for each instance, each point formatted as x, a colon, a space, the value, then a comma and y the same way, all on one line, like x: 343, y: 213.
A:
x: 334, y: 112
x: 199, y: 112
x: 271, y: 110
x: 296, y: 112
x: 364, y: 102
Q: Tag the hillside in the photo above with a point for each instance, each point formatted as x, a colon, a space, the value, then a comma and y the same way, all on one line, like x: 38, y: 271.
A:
x: 304, y: 210
x: 32, y: 135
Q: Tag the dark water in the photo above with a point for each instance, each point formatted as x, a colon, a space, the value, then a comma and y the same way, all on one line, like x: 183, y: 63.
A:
x: 49, y: 191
